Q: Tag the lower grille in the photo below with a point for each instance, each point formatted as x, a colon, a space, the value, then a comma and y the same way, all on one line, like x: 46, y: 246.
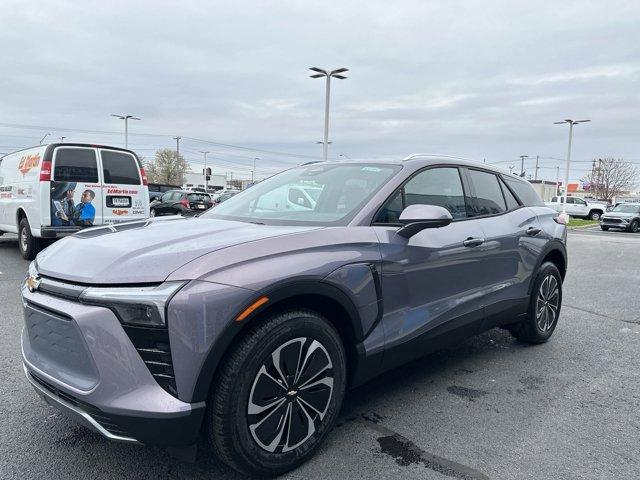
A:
x: 107, y: 422
x: 153, y: 346
x: 611, y: 220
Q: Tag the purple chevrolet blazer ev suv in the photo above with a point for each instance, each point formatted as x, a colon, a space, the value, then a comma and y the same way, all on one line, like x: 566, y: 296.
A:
x: 248, y: 323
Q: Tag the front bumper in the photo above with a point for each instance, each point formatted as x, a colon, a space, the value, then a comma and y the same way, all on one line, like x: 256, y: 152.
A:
x: 81, y: 361
x: 615, y: 222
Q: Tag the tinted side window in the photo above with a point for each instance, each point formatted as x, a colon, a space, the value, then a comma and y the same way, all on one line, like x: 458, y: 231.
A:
x: 489, y: 198
x: 75, y: 165
x: 525, y: 192
x: 512, y: 202
x: 120, y: 168
x: 435, y: 186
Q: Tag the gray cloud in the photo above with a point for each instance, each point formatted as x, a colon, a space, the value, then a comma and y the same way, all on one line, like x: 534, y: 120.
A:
x: 477, y: 79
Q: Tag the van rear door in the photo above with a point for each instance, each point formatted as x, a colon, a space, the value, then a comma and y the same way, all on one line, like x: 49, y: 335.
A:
x: 124, y: 192
x: 76, y: 190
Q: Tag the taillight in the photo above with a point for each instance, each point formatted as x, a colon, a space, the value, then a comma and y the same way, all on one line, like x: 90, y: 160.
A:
x: 185, y: 203
x: 143, y: 175
x: 45, y: 171
x: 560, y: 219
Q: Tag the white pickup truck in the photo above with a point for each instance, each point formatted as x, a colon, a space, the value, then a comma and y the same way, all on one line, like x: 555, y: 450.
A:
x: 577, y: 207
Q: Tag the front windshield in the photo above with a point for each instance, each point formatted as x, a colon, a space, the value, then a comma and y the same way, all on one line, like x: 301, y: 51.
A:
x: 626, y: 208
x: 318, y: 194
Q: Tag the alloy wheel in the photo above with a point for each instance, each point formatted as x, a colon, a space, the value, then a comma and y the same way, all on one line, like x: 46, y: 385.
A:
x: 24, y: 241
x: 290, y: 395
x: 547, y: 303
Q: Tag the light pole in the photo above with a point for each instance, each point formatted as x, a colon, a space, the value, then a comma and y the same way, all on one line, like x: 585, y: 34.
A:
x: 328, y: 74
x: 177, y: 139
x: 45, y: 136
x: 566, y: 171
x: 522, y: 157
x: 254, y: 169
x: 126, y: 126
x: 206, y: 182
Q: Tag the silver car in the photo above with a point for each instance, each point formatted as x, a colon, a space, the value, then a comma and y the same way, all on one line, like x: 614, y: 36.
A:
x: 624, y: 215
x: 251, y: 321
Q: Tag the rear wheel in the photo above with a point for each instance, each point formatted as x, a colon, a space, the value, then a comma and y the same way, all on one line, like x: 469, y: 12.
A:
x: 28, y: 244
x: 544, y: 307
x: 278, y: 394
x: 634, y: 227
x: 595, y: 215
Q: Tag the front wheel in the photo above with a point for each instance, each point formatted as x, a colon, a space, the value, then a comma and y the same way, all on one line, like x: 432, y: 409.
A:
x: 634, y: 227
x: 544, y: 307
x: 606, y: 229
x: 278, y: 394
x: 595, y: 215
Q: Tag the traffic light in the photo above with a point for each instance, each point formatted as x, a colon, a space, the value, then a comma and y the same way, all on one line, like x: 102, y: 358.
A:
x: 206, y: 171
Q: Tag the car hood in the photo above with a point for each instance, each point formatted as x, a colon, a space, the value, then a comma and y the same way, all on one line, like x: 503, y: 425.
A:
x: 147, y: 251
x: 619, y: 215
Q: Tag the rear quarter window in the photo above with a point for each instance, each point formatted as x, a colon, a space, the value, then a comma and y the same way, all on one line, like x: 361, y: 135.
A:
x: 75, y: 165
x: 120, y: 168
x: 525, y: 192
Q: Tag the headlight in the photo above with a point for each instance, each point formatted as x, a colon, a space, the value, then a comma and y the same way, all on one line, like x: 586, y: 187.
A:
x: 141, y: 306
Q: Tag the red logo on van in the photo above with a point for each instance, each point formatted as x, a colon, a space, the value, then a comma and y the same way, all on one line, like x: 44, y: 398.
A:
x: 119, y: 211
x: 27, y: 162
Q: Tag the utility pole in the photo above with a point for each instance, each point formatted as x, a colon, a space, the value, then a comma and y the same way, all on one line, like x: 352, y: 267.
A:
x: 206, y: 182
x: 566, y: 172
x: 254, y: 169
x: 535, y: 175
x: 328, y: 74
x: 177, y: 139
x: 557, y: 180
x: 126, y: 119
x: 522, y: 157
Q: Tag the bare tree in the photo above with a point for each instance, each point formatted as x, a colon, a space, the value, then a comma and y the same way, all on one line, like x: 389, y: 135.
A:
x: 167, y: 167
x: 610, y: 177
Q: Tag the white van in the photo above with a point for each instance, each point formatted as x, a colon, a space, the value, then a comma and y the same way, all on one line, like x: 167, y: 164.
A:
x: 51, y: 191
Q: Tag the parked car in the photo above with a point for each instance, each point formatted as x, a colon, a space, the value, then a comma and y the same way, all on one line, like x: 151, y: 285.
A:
x: 221, y: 197
x: 624, y: 215
x: 180, y: 202
x: 577, y: 207
x: 157, y: 189
x: 51, y: 191
x: 251, y: 323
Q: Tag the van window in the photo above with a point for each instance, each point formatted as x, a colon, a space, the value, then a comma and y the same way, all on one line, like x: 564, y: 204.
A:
x: 75, y: 165
x: 120, y: 168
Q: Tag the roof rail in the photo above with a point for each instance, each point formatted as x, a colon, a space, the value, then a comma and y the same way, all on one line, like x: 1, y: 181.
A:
x: 420, y: 155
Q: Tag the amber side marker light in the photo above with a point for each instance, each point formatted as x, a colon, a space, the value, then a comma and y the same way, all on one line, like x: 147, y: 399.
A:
x: 251, y: 308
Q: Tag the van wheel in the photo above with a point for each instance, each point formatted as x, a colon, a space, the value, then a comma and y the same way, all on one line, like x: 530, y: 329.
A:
x: 278, y: 394
x: 544, y: 307
x: 28, y: 244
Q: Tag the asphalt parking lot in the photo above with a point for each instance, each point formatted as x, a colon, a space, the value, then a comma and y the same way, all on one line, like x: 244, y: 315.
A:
x: 488, y: 408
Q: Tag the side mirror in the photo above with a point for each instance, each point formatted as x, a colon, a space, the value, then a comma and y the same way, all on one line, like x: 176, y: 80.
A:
x: 416, y: 218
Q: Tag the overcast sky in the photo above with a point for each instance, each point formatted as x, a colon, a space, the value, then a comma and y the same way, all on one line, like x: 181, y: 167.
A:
x: 484, y: 80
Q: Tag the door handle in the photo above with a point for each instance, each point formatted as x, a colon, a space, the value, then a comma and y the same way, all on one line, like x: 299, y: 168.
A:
x: 473, y: 242
x: 533, y: 231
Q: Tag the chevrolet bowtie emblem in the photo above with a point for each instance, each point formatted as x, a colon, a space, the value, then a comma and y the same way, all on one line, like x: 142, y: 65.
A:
x: 33, y: 283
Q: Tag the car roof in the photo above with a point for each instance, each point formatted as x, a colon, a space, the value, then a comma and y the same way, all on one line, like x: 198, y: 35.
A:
x: 419, y: 160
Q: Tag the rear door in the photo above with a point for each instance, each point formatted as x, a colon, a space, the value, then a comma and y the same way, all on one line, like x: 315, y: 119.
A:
x: 76, y: 190
x: 124, y: 195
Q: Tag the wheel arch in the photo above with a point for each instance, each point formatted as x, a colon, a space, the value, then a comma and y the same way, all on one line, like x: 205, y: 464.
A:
x: 556, y: 253
x: 327, y: 300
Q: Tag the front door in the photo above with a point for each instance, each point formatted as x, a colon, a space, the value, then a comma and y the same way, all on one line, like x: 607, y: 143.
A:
x: 76, y: 189
x: 433, y: 283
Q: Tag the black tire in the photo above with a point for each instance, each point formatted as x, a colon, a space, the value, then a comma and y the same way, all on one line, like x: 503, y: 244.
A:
x: 530, y: 329
x: 595, y: 215
x: 606, y: 229
x: 634, y: 226
x: 28, y: 245
x: 233, y: 430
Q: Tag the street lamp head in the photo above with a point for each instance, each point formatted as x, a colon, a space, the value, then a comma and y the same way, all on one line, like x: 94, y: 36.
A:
x: 340, y: 70
x: 340, y: 77
x: 317, y: 75
x: 319, y: 70
x: 581, y: 121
